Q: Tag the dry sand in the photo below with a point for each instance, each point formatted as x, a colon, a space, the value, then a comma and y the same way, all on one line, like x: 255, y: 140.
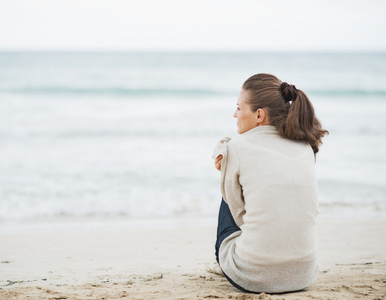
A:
x: 133, y: 262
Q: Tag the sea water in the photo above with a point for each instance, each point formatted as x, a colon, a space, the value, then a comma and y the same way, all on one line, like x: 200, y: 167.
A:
x: 132, y: 134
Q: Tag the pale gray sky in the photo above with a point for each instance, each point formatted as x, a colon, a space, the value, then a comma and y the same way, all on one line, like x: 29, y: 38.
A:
x: 204, y: 25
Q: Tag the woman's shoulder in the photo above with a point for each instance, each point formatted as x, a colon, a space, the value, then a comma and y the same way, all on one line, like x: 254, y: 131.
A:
x: 256, y: 136
x: 221, y: 147
x: 266, y: 138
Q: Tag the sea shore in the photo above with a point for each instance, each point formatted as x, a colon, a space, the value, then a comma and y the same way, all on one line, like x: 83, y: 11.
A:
x: 171, y: 259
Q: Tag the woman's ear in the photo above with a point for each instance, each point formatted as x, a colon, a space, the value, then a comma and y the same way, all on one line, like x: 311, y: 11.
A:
x: 262, y: 117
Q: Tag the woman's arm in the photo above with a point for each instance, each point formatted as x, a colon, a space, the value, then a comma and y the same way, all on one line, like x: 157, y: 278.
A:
x: 231, y: 188
x: 226, y: 161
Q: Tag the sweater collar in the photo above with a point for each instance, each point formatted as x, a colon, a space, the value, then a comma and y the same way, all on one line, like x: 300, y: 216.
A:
x: 262, y: 129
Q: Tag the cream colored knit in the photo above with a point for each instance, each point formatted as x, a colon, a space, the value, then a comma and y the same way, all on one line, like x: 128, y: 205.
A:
x: 269, y: 184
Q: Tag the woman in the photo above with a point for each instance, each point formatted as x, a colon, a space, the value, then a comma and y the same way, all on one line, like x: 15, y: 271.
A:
x: 266, y: 238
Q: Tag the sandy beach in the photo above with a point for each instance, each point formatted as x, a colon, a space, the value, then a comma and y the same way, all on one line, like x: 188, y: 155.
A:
x: 128, y: 260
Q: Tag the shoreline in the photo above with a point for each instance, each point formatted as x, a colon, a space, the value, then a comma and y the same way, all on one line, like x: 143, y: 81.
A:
x: 99, y: 223
x: 171, y: 262
x: 103, y: 223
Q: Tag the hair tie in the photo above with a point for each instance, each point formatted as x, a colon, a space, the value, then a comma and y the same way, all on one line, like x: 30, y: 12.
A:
x: 288, y: 92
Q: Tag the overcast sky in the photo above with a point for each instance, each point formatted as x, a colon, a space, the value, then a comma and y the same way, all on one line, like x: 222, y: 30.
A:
x: 203, y: 25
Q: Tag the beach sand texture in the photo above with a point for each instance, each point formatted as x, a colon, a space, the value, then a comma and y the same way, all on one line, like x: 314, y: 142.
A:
x: 172, y: 263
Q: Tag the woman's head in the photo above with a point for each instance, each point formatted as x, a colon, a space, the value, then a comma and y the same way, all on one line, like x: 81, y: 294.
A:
x: 286, y: 108
x: 247, y: 118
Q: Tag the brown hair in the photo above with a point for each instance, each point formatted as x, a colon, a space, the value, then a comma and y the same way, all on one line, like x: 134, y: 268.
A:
x: 288, y: 108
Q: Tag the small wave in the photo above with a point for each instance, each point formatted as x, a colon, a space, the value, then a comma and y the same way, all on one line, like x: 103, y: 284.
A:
x: 351, y: 93
x: 117, y: 91
x: 149, y: 92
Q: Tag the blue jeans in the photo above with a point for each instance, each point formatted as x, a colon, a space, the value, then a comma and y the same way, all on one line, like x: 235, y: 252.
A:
x: 226, y: 226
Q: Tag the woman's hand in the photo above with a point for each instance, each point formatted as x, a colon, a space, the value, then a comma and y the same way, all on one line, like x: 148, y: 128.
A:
x: 217, y: 162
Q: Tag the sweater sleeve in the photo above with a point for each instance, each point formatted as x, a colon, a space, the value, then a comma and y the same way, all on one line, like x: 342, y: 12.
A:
x: 231, y: 189
x: 222, y: 149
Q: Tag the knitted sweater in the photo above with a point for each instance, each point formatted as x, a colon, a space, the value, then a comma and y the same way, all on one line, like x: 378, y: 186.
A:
x: 269, y: 184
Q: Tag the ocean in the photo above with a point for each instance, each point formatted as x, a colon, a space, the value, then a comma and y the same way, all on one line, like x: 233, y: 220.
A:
x: 131, y: 134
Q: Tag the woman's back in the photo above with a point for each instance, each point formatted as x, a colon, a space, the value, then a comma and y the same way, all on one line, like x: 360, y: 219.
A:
x: 277, y: 178
x: 279, y: 200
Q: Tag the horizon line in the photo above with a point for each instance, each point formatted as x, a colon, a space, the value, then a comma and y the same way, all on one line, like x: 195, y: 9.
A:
x: 193, y: 51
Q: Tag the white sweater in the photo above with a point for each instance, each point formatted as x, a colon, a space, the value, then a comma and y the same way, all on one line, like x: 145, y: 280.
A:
x: 269, y: 184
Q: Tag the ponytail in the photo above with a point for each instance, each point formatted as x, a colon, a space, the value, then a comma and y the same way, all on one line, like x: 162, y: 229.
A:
x: 288, y: 108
